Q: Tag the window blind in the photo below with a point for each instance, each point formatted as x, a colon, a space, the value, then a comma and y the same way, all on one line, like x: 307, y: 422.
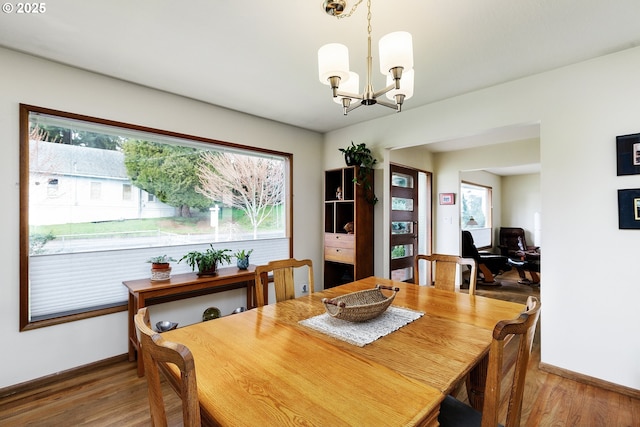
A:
x: 65, y: 283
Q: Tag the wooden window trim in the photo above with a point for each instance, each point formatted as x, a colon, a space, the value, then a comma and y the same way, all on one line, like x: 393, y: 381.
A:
x: 25, y: 323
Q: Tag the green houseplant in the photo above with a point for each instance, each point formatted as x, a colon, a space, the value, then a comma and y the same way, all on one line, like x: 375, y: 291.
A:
x: 360, y: 155
x: 242, y: 257
x: 160, y: 268
x: 207, y: 261
x: 160, y: 262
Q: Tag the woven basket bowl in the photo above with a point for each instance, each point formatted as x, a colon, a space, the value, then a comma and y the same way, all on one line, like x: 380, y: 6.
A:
x: 360, y: 306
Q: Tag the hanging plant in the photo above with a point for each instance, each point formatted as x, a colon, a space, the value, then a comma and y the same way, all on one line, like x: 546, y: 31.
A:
x: 360, y: 155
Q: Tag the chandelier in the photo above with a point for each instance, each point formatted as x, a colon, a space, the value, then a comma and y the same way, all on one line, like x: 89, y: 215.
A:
x: 396, y: 62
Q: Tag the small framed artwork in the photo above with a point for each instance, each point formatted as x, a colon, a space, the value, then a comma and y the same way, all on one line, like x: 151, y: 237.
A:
x: 628, y: 154
x: 447, y: 198
x: 629, y: 209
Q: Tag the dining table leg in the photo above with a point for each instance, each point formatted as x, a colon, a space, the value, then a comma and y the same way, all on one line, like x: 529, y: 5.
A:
x: 476, y: 381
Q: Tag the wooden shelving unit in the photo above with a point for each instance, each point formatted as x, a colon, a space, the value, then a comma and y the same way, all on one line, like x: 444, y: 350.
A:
x: 347, y: 256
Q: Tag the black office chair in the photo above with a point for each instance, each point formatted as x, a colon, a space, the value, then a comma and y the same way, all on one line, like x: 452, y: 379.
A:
x: 489, y: 265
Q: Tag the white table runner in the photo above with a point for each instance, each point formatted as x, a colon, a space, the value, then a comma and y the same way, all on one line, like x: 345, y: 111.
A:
x: 363, y: 333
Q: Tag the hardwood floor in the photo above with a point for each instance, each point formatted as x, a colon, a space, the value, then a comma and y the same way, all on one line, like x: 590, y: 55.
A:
x: 115, y: 396
x: 110, y: 396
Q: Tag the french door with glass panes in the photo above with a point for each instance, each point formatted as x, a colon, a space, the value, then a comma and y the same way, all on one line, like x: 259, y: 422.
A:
x: 409, y: 210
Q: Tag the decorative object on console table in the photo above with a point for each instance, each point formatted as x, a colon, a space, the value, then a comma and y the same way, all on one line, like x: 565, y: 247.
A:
x: 207, y: 261
x: 242, y: 258
x: 628, y: 154
x: 160, y: 267
x: 348, y: 228
x: 211, y: 313
x: 447, y: 198
x: 165, y: 325
x: 629, y: 209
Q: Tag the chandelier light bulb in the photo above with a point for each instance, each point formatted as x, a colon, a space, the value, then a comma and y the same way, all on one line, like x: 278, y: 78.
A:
x: 333, y: 61
x: 396, y: 50
x: 406, y: 86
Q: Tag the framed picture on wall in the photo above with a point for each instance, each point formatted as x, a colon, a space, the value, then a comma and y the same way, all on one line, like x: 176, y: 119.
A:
x: 629, y: 209
x: 447, y: 198
x: 628, y: 154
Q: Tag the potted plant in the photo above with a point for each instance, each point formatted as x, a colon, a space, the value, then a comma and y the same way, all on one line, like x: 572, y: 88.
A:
x: 242, y: 257
x: 160, y: 262
x: 207, y: 261
x: 160, y: 267
x: 360, y: 155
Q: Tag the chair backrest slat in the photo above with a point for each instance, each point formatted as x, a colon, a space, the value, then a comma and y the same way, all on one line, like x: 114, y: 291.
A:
x: 442, y: 269
x: 283, y: 278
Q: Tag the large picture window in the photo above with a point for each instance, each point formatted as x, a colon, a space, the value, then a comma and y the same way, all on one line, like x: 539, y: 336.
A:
x: 476, y: 212
x: 98, y: 198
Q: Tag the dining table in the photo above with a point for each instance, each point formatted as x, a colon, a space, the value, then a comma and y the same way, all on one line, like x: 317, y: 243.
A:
x: 268, y: 367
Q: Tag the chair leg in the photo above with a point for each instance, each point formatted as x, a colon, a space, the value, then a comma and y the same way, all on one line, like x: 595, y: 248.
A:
x: 487, y: 274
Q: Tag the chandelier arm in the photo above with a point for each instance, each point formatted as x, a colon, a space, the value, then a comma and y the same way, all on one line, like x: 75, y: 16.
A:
x: 387, y: 104
x: 385, y: 90
x: 352, y: 107
x: 349, y: 95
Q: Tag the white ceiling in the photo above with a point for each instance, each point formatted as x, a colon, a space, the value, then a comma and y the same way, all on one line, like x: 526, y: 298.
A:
x: 260, y: 57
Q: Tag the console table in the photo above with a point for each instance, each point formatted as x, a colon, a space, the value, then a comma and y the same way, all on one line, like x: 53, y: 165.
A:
x: 145, y: 292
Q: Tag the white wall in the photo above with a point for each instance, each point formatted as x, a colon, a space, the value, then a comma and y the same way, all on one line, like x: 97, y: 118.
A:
x: 24, y: 79
x: 589, y: 309
x: 520, y: 204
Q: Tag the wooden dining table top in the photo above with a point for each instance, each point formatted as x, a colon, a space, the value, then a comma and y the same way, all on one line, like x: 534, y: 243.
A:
x: 262, y: 367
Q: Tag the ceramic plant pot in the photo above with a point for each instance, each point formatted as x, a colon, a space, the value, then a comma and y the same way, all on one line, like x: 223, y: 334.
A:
x: 243, y: 263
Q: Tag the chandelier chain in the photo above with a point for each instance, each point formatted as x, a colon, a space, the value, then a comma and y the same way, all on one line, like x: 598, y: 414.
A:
x: 353, y: 9
x: 369, y: 17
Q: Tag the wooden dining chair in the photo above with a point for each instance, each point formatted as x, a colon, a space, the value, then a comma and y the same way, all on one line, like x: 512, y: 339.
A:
x: 283, y: 279
x: 157, y: 352
x: 441, y: 271
x: 454, y: 413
